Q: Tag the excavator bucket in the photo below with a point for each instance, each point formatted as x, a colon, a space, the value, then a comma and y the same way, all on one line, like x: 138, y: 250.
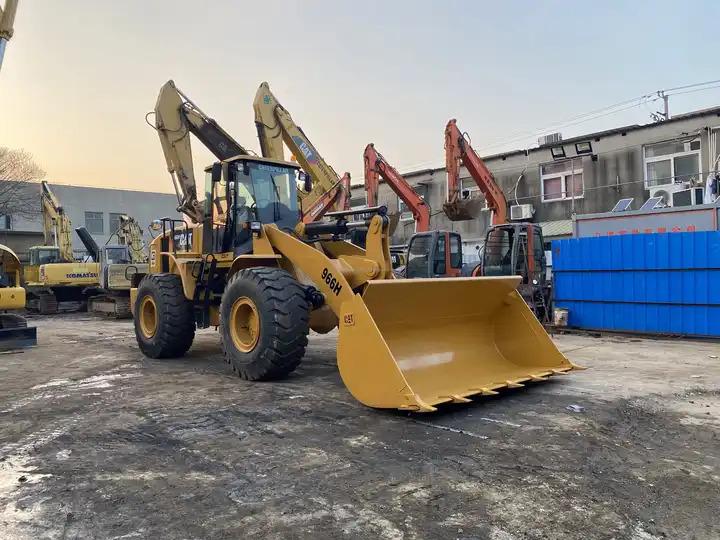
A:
x: 464, y: 210
x: 412, y: 344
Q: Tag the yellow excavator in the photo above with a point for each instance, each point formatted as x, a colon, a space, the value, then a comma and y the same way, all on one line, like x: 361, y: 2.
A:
x: 253, y: 269
x: 14, y: 329
x: 275, y: 126
x: 54, y: 280
x: 119, y: 263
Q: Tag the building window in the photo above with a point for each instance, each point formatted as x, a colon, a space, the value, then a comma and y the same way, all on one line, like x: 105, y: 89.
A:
x: 114, y: 222
x: 94, y: 222
x: 404, y: 209
x: 405, y: 212
x: 672, y: 162
x: 5, y: 223
x: 562, y: 180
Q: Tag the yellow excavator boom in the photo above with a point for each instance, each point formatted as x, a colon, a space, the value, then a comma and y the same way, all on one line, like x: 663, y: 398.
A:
x: 130, y: 234
x: 275, y: 126
x: 176, y: 117
x: 56, y: 224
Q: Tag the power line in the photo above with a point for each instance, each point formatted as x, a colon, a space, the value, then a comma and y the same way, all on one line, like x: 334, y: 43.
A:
x: 582, y: 118
x: 666, y: 90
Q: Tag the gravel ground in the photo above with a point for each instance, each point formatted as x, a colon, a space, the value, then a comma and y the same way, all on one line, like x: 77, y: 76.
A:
x: 97, y: 441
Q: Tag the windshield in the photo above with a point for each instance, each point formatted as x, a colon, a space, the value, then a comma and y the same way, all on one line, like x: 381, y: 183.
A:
x: 44, y: 256
x: 266, y: 192
x: 498, y: 253
x: 117, y: 255
x: 418, y: 252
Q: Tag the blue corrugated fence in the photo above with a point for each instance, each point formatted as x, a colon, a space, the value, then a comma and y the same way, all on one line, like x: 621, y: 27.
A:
x: 657, y: 283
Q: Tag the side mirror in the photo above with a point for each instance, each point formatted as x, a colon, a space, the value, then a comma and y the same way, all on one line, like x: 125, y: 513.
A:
x: 216, y: 172
x: 306, y: 179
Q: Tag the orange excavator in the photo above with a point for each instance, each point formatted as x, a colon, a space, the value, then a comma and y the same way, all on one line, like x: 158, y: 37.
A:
x: 510, y: 248
x: 430, y: 253
x: 459, y: 206
x: 375, y: 168
x: 343, y: 200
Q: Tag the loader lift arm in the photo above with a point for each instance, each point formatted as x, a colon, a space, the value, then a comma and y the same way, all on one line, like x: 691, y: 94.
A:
x: 56, y: 223
x: 176, y: 116
x: 375, y: 167
x: 275, y: 126
x: 458, y: 150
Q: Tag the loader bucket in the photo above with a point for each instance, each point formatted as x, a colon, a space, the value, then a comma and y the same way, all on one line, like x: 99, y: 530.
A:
x: 412, y: 344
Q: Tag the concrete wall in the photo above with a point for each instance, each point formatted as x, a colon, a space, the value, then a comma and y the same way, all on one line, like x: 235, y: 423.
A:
x: 21, y: 242
x: 617, y: 172
x: 143, y: 206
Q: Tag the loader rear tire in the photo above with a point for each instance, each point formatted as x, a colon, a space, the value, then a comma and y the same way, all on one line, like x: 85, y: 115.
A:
x: 164, y: 320
x: 264, y: 323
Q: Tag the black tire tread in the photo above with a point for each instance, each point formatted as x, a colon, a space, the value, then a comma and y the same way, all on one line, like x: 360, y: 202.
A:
x: 176, y: 329
x: 286, y: 319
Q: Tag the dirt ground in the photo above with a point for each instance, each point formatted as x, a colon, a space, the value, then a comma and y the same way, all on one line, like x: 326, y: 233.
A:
x: 97, y: 441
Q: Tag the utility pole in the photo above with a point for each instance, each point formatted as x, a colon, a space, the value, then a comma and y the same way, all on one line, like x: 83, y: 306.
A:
x: 7, y: 18
x: 665, y: 115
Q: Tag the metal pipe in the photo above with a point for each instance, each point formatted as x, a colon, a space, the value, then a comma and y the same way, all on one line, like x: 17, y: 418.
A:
x: 382, y: 210
x: 3, y: 43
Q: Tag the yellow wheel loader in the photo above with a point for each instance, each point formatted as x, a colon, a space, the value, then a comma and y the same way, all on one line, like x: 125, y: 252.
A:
x: 249, y: 266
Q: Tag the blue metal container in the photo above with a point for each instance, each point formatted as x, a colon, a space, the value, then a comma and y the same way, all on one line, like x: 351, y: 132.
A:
x: 651, y: 283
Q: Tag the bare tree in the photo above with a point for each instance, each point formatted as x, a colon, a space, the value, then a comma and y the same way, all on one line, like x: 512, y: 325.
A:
x: 19, y: 195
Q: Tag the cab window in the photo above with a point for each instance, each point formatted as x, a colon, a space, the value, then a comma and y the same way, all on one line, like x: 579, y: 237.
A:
x: 455, y: 251
x: 417, y: 262
x: 498, y: 253
x: 440, y: 260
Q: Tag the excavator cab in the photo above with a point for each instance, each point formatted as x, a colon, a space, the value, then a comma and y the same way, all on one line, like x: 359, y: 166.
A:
x: 44, y: 255
x: 434, y: 254
x: 517, y: 249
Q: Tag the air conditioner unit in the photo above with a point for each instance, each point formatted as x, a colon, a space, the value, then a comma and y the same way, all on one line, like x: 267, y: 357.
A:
x: 666, y: 192
x: 521, y: 211
x: 551, y: 138
x: 688, y: 197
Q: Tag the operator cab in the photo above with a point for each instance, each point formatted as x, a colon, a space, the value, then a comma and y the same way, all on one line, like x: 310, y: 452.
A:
x: 44, y: 255
x: 116, y: 254
x: 434, y: 254
x: 244, y: 190
x: 509, y: 253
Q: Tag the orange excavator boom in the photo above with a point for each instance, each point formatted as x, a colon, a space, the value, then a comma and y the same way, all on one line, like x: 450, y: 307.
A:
x: 376, y: 167
x: 459, y: 151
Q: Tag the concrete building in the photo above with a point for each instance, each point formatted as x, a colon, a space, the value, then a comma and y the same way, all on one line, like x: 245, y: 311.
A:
x: 95, y: 208
x: 581, y: 175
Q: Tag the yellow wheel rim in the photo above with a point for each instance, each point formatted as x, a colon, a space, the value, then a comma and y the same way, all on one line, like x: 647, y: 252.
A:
x: 148, y: 317
x: 244, y: 324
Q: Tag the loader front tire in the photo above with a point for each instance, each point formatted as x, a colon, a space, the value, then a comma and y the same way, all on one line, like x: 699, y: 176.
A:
x: 164, y: 321
x: 264, y: 323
